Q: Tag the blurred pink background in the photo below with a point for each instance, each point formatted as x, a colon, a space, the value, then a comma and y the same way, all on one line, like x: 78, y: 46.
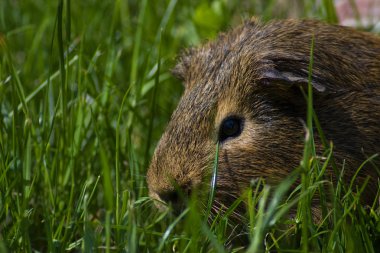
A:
x: 365, y: 14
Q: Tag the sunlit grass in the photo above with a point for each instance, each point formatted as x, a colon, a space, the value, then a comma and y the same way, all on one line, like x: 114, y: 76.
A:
x: 86, y: 91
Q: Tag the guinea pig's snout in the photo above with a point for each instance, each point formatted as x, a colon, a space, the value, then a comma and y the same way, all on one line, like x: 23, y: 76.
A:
x: 171, y: 197
x: 176, y: 197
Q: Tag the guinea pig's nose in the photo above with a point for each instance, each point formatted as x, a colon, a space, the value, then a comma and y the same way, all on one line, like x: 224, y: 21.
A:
x: 177, y: 198
x: 170, y: 197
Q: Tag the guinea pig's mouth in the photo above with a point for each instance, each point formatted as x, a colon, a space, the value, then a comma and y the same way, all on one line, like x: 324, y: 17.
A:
x: 158, y: 203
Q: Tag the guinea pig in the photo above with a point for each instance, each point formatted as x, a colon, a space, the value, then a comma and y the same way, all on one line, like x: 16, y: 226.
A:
x: 243, y: 91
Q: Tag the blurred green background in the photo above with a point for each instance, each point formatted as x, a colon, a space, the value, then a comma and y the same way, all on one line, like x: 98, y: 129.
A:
x: 86, y: 92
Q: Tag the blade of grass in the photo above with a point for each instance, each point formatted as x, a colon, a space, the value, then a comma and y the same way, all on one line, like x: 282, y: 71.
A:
x: 133, y: 81
x: 169, y: 229
x: 62, y: 60
x: 329, y: 7
x: 16, y: 83
x: 309, y: 152
x: 214, y: 176
x: 43, y: 85
x: 153, y: 103
x: 257, y: 239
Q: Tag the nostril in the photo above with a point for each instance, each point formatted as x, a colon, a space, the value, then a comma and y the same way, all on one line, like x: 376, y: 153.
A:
x: 169, y: 197
x: 176, y: 198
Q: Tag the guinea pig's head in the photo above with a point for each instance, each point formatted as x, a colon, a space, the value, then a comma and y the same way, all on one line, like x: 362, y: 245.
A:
x: 240, y: 95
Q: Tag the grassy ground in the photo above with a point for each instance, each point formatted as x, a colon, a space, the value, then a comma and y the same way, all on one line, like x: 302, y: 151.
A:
x: 85, y: 94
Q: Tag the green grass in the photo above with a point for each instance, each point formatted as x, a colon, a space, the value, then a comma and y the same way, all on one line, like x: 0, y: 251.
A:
x: 86, y: 91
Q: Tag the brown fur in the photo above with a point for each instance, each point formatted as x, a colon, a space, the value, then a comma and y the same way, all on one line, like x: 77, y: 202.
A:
x: 254, y: 72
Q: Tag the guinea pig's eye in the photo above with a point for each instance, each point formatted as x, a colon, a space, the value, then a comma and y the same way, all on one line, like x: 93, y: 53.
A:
x: 230, y: 127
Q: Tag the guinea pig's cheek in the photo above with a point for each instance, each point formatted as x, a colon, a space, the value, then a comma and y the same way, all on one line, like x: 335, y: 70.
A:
x: 238, y: 156
x: 248, y: 135
x: 235, y: 149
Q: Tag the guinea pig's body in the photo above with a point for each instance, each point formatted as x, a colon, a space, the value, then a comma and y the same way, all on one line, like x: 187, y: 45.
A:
x: 243, y: 91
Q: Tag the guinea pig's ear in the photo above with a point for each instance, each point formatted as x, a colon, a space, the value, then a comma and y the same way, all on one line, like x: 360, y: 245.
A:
x: 180, y: 70
x: 290, y: 78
